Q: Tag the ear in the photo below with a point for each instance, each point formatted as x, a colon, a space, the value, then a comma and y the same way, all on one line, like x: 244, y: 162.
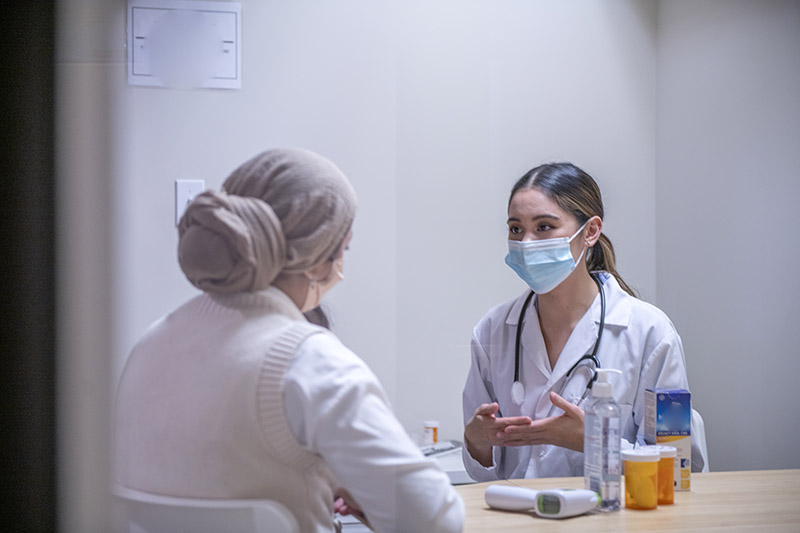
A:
x: 310, y: 274
x: 594, y: 227
x: 318, y: 272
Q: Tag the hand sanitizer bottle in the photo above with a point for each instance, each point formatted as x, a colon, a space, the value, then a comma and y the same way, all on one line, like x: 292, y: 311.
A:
x: 601, y: 443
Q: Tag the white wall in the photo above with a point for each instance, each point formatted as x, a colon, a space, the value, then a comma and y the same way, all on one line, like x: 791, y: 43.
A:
x: 433, y: 110
x: 318, y: 75
x: 486, y: 91
x: 728, y: 181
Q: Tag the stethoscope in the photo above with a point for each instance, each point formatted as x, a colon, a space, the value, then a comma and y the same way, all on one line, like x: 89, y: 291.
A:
x: 518, y: 389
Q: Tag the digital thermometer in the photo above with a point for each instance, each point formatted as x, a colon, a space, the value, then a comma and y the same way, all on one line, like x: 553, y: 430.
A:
x: 553, y: 503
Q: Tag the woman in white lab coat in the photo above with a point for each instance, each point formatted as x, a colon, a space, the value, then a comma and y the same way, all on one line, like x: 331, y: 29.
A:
x: 556, y: 245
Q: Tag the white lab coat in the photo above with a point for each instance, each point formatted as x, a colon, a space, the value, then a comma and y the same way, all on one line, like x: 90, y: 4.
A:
x: 639, y: 340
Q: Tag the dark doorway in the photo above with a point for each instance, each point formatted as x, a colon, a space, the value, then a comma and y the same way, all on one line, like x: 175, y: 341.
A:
x: 27, y: 267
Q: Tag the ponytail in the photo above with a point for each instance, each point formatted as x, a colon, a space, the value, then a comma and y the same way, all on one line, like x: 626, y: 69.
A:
x: 601, y: 256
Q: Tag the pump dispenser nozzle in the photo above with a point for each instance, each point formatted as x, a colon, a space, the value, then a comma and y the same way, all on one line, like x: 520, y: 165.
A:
x: 602, y: 388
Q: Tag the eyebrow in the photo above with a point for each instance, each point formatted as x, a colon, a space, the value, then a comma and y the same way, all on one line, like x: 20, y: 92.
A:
x: 537, y: 217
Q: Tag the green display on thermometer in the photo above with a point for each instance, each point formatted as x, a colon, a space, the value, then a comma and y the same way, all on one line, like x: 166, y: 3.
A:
x: 561, y: 503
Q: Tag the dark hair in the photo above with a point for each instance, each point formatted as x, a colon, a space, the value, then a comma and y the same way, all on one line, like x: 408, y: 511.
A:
x: 577, y: 193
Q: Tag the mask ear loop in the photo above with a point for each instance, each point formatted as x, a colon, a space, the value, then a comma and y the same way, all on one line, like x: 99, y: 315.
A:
x: 579, y: 230
x: 585, y: 247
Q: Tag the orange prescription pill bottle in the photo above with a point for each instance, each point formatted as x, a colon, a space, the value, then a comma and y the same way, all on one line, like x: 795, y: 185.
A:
x: 666, y: 473
x: 641, y: 478
x: 431, y: 431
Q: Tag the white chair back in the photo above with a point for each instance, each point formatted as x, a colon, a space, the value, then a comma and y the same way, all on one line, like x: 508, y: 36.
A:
x: 699, y: 436
x: 142, y: 512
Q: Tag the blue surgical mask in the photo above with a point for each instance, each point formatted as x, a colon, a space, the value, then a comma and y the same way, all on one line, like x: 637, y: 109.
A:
x: 545, y: 263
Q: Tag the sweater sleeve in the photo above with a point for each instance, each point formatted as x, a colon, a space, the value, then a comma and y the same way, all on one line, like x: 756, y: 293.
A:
x: 337, y: 408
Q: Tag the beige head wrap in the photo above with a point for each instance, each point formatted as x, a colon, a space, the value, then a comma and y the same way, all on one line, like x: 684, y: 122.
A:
x: 285, y: 210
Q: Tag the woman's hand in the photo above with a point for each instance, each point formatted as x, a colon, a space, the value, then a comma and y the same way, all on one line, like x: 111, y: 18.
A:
x: 485, y: 430
x: 344, y: 504
x: 565, y: 430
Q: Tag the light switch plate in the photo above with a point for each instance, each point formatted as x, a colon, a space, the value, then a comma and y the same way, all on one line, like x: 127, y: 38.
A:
x: 185, y: 191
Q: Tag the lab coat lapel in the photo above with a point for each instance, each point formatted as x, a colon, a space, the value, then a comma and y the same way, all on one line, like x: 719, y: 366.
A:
x: 533, y: 348
x: 580, y: 343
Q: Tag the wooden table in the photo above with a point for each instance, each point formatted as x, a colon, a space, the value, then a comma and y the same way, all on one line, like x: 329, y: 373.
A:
x: 763, y: 500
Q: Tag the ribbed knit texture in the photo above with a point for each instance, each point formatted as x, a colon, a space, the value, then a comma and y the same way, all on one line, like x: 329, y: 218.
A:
x: 276, y: 430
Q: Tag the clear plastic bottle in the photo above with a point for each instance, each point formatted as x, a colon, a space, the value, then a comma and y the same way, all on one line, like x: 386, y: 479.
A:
x: 601, y: 444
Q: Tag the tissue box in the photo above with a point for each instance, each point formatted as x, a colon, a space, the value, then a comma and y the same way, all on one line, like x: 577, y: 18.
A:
x: 668, y: 420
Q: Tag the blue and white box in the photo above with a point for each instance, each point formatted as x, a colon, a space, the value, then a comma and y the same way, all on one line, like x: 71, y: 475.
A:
x: 668, y: 420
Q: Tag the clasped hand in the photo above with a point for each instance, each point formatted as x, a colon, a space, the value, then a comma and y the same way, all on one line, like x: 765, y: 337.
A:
x: 345, y: 504
x: 485, y: 430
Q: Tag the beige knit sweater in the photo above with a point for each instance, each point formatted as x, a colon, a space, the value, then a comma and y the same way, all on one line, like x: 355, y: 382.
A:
x: 200, y: 412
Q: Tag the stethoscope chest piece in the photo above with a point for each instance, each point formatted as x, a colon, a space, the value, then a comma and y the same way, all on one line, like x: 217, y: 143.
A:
x: 517, y: 393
